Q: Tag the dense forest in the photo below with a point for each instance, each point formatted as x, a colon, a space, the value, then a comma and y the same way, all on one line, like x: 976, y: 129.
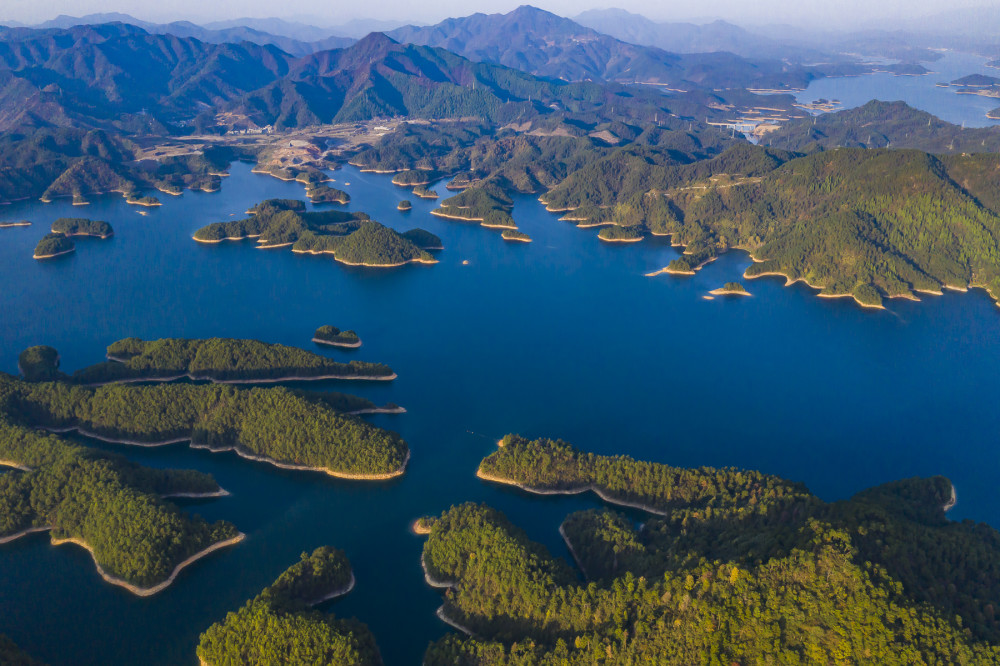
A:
x: 296, y: 428
x: 767, y: 574
x: 219, y: 359
x: 102, y: 500
x: 78, y: 226
x: 279, y: 627
x: 53, y: 245
x: 351, y: 238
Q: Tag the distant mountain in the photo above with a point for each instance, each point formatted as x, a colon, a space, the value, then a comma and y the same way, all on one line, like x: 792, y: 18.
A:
x: 690, y: 37
x: 358, y: 28
x: 542, y: 43
x: 117, y: 75
x: 222, y: 32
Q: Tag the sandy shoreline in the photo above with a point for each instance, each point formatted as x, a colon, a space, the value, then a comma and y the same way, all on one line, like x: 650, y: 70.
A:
x: 9, y: 225
x: 260, y: 380
x: 150, y: 591
x: 333, y: 343
x: 14, y: 465
x: 50, y: 256
x: 620, y: 240
x: 789, y: 282
x: 18, y: 535
x: 227, y: 238
x: 437, y: 212
x: 725, y: 292
x: 572, y: 491
x: 242, y: 454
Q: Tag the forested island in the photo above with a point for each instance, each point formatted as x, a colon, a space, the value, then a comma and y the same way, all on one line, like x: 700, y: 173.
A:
x: 279, y: 626
x: 76, y: 226
x: 58, y: 241
x: 515, y: 235
x: 404, y: 205
x: 733, y: 567
x: 331, y: 335
x: 100, y: 501
x: 730, y: 289
x: 53, y: 245
x: 223, y: 360
x: 424, y: 193
x: 289, y: 429
x: 352, y: 238
x: 327, y: 194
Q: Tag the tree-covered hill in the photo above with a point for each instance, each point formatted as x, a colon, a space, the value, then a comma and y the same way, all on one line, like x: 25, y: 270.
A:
x: 278, y: 626
x: 761, y: 577
x: 352, y: 238
x: 883, y: 125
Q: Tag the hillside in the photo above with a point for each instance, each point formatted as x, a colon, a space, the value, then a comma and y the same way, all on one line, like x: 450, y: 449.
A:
x: 728, y: 566
x: 544, y: 44
x: 880, y: 125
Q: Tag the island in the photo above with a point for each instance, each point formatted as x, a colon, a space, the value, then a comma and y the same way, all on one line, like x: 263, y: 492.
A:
x: 75, y: 226
x: 730, y: 289
x: 101, y: 502
x: 331, y: 335
x: 145, y: 201
x: 515, y: 236
x: 327, y: 194
x: 425, y: 240
x: 721, y: 558
x: 415, y: 178
x: 620, y: 234
x: 994, y: 114
x: 487, y: 204
x: 351, y: 238
x: 53, y: 245
x: 222, y: 360
x: 281, y: 626
x: 404, y: 205
x: 424, y: 193
x: 296, y: 430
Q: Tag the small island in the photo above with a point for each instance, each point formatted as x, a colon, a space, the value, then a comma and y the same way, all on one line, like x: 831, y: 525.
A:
x: 18, y: 223
x: 351, y: 238
x: 76, y: 226
x: 424, y: 193
x: 53, y: 245
x: 331, y: 335
x: 279, y: 625
x: 618, y: 234
x: 146, y: 201
x: 327, y: 194
x: 730, y: 289
x: 515, y: 236
x: 404, y: 205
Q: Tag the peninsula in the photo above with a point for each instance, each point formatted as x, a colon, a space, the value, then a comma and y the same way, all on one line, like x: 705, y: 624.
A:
x: 279, y: 626
x: 221, y: 360
x: 747, y: 550
x: 102, y: 502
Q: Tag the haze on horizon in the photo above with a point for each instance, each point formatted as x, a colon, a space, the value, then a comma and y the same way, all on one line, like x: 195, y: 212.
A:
x: 838, y: 14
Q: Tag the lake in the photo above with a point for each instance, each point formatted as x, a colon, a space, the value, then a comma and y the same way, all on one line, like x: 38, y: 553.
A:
x: 920, y: 92
x: 562, y: 337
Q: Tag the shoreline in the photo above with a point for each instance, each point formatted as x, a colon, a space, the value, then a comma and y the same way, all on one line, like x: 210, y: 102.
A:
x: 332, y: 343
x: 377, y: 410
x: 227, y: 238
x: 442, y: 585
x: 725, y: 292
x: 572, y: 551
x: 17, y: 535
x: 14, y: 465
x: 339, y: 592
x: 789, y: 282
x: 50, y: 256
x: 221, y: 492
x: 150, y: 591
x: 361, y: 263
x: 243, y: 454
x: 571, y: 491
x: 10, y: 225
x: 620, y: 240
x: 437, y: 212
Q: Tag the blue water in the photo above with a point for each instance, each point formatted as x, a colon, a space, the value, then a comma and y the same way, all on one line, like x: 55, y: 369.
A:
x: 562, y: 337
x: 918, y: 91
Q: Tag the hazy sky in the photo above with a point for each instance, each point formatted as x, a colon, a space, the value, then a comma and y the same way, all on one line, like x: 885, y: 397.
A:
x: 829, y: 13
